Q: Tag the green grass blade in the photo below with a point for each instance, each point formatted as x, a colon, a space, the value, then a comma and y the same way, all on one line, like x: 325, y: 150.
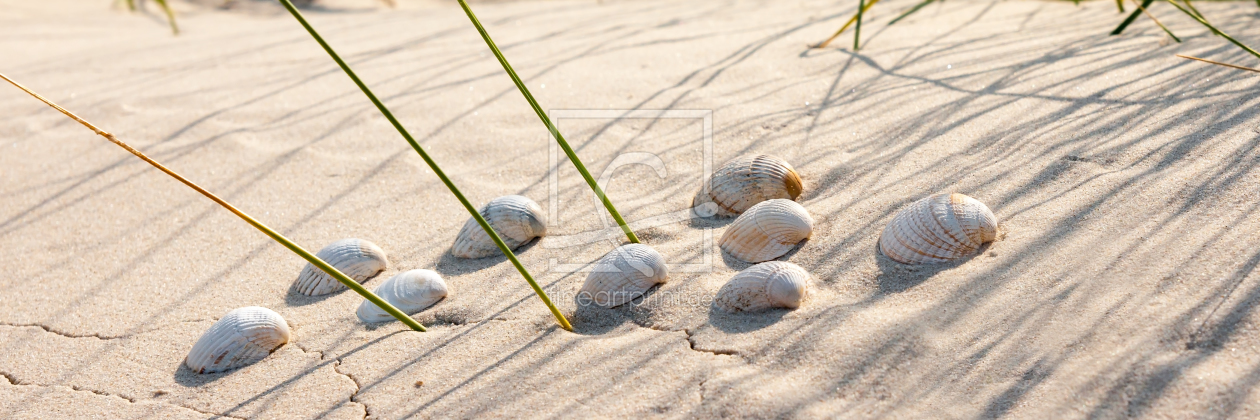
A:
x: 1200, y: 15
x: 846, y: 26
x: 1132, y: 16
x: 857, y: 30
x: 550, y: 127
x: 1213, y: 28
x: 1157, y: 22
x: 915, y: 9
x: 353, y: 285
x: 170, y: 15
x: 564, y: 323
x: 1120, y: 5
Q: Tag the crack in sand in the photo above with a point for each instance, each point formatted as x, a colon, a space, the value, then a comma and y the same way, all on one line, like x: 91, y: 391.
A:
x: 366, y: 411
x: 15, y: 382
x: 63, y: 334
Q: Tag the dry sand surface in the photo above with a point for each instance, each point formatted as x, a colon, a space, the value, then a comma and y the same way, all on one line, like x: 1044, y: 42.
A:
x: 1126, y: 180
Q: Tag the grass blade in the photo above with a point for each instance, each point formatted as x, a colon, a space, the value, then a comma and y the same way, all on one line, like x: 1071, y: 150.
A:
x: 857, y: 30
x: 1219, y: 63
x: 170, y: 15
x: 915, y: 9
x: 1132, y: 16
x: 1157, y: 22
x: 1213, y: 28
x: 353, y: 285
x: 550, y: 127
x: 1120, y: 5
x: 564, y: 323
x: 850, y: 23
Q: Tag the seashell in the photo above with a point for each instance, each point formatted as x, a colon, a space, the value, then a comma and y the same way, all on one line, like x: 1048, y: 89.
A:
x: 356, y: 258
x: 623, y: 274
x: 746, y: 181
x: 243, y: 336
x: 939, y: 228
x: 767, y: 231
x: 774, y: 284
x: 410, y: 291
x: 517, y: 220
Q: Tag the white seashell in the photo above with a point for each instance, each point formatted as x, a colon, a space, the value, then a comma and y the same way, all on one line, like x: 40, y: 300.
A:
x: 623, y: 274
x: 774, y: 284
x: 516, y: 219
x: 767, y: 231
x: 746, y: 181
x: 939, y: 228
x: 243, y: 336
x: 409, y: 291
x: 356, y: 258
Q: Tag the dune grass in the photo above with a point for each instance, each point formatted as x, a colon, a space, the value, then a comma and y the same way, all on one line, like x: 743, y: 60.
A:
x: 353, y: 285
x: 564, y: 323
x: 166, y: 8
x: 1142, y: 8
x: 550, y: 127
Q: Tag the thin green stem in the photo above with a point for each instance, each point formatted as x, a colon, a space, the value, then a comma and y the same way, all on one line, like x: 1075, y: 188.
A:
x: 857, y: 29
x: 1218, y: 31
x: 1157, y: 22
x: 564, y: 323
x: 550, y: 127
x: 914, y: 9
x: 170, y: 15
x: 1120, y: 5
x: 846, y: 26
x: 1132, y: 16
x: 1200, y: 15
x: 353, y: 285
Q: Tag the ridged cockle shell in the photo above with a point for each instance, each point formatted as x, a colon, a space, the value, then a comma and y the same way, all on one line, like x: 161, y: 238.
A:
x: 243, y: 336
x: 746, y: 181
x: 410, y: 291
x: 623, y: 274
x: 939, y: 228
x: 356, y: 258
x: 774, y: 284
x: 516, y: 219
x: 767, y: 231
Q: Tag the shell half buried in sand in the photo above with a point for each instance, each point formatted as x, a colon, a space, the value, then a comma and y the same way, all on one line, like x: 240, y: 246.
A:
x: 243, y: 336
x: 774, y: 284
x: 516, y: 219
x: 767, y: 231
x: 940, y: 228
x: 356, y: 258
x: 746, y: 181
x: 623, y: 274
x: 410, y: 291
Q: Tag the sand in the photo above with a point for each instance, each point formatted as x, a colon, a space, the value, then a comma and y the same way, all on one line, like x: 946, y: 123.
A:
x: 1125, y: 178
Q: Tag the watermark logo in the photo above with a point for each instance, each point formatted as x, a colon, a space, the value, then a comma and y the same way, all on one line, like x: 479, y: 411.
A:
x: 609, y: 231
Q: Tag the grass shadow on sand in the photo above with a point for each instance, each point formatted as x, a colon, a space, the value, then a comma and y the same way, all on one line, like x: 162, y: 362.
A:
x: 895, y: 277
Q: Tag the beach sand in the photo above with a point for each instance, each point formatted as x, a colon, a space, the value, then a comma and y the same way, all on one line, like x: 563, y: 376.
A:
x: 1125, y: 179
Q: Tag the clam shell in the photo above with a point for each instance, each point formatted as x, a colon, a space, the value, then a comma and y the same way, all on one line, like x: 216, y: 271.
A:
x: 746, y: 181
x: 517, y: 220
x: 939, y: 228
x: 774, y: 284
x: 623, y: 274
x: 409, y: 291
x: 243, y: 336
x: 356, y: 258
x: 767, y: 231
